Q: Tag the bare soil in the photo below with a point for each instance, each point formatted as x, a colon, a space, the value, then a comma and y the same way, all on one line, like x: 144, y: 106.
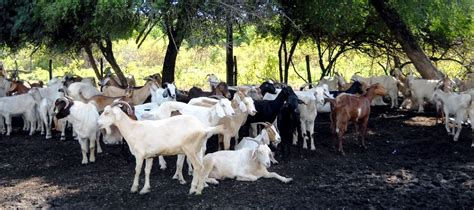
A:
x: 410, y: 163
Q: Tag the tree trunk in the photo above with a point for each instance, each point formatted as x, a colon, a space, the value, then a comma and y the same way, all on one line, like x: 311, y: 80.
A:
x: 109, y: 56
x: 406, y: 39
x: 229, y: 49
x: 175, y: 34
x: 90, y: 56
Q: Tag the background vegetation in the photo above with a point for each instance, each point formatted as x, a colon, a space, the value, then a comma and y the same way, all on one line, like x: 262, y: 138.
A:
x: 62, y: 30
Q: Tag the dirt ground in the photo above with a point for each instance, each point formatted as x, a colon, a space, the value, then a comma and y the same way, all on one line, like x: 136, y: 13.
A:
x: 410, y: 163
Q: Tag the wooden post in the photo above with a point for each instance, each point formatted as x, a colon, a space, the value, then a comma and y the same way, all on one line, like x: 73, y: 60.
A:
x: 235, y: 70
x: 101, y: 63
x: 101, y: 68
x: 308, y: 71
x: 50, y: 69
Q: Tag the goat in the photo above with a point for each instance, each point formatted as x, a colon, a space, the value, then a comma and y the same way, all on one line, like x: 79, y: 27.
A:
x: 332, y: 83
x: 388, y: 82
x: 183, y: 134
x: 81, y: 90
x: 83, y: 118
x: 138, y: 95
x: 17, y: 87
x: 112, y: 80
x: 221, y: 89
x: 288, y: 122
x: 308, y: 112
x: 243, y: 107
x: 4, y: 86
x: 454, y: 104
x: 210, y: 116
x: 158, y: 96
x: 353, y: 108
x: 23, y: 104
x: 268, y: 135
x: 422, y: 90
x: 69, y: 79
x: 267, y: 110
x: 247, y: 164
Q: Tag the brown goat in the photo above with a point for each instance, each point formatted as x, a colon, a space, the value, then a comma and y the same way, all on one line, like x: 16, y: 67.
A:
x: 101, y: 101
x: 347, y: 107
x: 17, y: 87
x: 221, y: 89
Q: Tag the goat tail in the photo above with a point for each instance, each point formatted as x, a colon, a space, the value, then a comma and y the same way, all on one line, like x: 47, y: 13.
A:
x: 214, y: 130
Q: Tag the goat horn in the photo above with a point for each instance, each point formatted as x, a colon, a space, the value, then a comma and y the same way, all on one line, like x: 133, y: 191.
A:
x: 123, y: 103
x: 65, y: 99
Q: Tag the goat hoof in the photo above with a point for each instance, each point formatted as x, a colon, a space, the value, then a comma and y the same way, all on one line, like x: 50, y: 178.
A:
x: 163, y: 167
x: 134, y: 189
x: 288, y: 180
x: 183, y: 182
x: 48, y: 137
x: 63, y: 138
x: 313, y: 148
x: 144, y: 191
x: 84, y: 162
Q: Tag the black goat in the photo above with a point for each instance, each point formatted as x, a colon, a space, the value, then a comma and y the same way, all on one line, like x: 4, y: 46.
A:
x: 356, y: 87
x: 288, y: 122
x: 268, y: 110
x: 267, y: 87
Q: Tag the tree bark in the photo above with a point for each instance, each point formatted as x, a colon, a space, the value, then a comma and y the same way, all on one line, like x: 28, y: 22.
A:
x: 109, y: 56
x: 229, y: 48
x: 90, y: 56
x: 406, y: 39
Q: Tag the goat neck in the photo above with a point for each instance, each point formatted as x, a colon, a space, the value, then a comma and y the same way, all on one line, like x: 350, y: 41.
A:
x: 371, y: 92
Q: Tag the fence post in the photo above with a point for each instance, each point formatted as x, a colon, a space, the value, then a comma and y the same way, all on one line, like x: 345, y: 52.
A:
x: 308, y: 71
x: 235, y: 70
x: 50, y: 69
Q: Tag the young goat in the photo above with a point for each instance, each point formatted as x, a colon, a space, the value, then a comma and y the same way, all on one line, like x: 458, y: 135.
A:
x: 356, y: 109
x: 247, y: 164
x: 183, y: 134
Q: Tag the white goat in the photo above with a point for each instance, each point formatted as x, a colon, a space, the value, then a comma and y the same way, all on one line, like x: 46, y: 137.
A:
x: 454, y: 104
x: 45, y: 105
x: 158, y: 96
x: 76, y: 89
x: 471, y: 112
x: 246, y: 164
x: 421, y: 90
x: 23, y: 104
x: 242, y: 105
x: 183, y: 134
x: 83, y: 118
x: 332, y: 83
x: 268, y: 135
x: 388, y: 82
x: 210, y: 116
x: 308, y: 112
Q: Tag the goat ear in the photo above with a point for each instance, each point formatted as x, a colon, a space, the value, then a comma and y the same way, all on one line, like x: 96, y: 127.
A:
x: 116, y: 113
x: 220, y: 112
x: 254, y: 154
x: 165, y: 93
x: 242, y: 107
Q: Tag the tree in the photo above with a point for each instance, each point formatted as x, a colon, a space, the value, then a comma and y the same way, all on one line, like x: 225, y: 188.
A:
x: 406, y: 39
x: 76, y: 25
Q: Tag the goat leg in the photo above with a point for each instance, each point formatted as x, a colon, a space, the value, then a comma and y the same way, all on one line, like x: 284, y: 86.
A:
x: 146, y: 187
